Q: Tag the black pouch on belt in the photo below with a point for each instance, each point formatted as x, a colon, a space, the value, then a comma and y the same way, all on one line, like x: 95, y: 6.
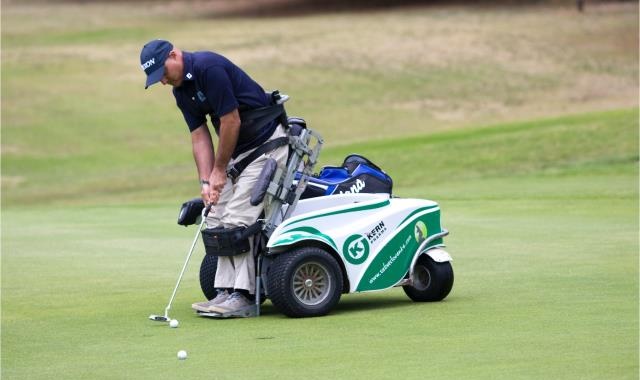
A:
x: 221, y: 241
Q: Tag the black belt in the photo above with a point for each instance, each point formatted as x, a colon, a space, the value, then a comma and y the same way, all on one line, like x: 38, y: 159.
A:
x: 234, y: 171
x: 254, y: 120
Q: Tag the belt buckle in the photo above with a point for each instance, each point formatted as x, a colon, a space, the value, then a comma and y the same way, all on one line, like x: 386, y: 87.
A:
x: 232, y: 173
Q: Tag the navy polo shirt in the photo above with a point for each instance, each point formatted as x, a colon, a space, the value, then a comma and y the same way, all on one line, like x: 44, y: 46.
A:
x: 214, y: 86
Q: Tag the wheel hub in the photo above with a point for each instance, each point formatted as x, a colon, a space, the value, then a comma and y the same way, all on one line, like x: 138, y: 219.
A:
x: 422, y: 278
x: 311, y: 283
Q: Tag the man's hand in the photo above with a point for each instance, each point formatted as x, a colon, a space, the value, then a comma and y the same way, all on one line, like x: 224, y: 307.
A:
x: 229, y: 130
x: 217, y: 180
x: 204, y: 192
x: 215, y: 168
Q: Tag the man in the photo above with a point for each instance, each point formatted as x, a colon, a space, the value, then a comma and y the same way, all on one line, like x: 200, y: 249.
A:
x: 206, y: 83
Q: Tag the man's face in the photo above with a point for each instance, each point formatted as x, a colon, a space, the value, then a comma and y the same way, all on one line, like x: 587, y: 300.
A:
x: 173, y: 70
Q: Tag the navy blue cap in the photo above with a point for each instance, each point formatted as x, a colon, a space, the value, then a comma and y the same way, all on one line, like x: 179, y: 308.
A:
x: 152, y: 58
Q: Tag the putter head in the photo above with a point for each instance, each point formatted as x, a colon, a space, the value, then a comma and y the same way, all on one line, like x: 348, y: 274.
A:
x: 158, y: 318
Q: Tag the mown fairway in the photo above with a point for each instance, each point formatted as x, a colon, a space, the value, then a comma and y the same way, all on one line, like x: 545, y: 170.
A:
x: 522, y: 122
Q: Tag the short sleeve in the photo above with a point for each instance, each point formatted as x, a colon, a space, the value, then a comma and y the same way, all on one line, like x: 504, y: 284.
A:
x: 192, y: 116
x: 219, y: 91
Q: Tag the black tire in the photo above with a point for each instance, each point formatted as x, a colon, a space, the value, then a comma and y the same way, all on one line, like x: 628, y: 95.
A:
x: 433, y: 281
x: 304, y: 282
x: 208, y: 276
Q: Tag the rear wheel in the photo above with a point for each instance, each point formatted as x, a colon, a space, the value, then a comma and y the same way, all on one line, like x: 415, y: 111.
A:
x: 432, y: 281
x: 208, y: 276
x: 304, y: 282
x: 208, y: 270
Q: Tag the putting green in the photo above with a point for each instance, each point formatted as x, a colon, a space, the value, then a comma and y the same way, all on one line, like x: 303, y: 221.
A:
x: 546, y: 287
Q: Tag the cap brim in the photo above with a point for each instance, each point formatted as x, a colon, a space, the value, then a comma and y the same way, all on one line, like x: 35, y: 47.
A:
x: 154, y: 77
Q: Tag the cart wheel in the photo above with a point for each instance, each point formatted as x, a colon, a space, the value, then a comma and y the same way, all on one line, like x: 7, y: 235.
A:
x: 433, y: 281
x: 208, y: 276
x: 304, y: 282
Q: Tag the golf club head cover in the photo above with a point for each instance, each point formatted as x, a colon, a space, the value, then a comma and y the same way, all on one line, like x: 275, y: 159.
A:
x: 296, y: 125
x: 352, y: 161
x: 190, y: 212
x: 260, y: 189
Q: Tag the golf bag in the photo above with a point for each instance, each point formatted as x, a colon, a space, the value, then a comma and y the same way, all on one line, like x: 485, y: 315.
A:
x: 356, y: 175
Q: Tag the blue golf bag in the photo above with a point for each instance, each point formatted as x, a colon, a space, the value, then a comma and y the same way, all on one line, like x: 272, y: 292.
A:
x: 356, y: 175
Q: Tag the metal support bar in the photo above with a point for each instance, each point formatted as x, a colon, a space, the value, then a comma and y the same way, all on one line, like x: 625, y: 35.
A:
x: 258, y: 278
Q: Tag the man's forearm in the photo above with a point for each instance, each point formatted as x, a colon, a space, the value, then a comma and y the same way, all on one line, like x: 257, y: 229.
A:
x: 227, y: 139
x: 203, y: 152
x: 229, y: 131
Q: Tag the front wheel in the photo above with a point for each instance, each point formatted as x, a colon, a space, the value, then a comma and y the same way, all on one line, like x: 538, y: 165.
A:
x: 304, y: 282
x: 432, y: 280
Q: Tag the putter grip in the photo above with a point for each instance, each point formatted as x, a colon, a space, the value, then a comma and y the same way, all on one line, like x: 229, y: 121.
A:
x: 206, y: 210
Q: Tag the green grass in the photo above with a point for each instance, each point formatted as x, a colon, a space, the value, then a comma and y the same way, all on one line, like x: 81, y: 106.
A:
x: 546, y: 282
x: 522, y: 122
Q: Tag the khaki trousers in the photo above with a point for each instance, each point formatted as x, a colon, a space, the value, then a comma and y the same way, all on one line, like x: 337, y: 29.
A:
x: 234, y: 210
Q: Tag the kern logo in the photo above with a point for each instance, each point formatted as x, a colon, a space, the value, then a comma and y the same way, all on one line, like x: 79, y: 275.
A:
x: 356, y: 249
x: 376, y: 232
x: 148, y: 64
x: 355, y: 188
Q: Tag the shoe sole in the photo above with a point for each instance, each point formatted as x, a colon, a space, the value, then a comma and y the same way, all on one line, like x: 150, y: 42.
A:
x: 205, y: 309
x: 245, y: 312
x: 221, y: 310
x: 199, y: 309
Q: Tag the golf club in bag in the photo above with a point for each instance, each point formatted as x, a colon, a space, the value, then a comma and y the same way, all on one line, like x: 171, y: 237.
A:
x: 165, y: 317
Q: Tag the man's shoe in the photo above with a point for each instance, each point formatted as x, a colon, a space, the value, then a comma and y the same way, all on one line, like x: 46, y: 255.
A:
x: 235, y: 302
x: 205, y: 307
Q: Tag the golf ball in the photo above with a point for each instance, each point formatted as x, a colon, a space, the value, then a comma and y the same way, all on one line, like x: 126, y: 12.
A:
x: 174, y: 323
x: 182, y: 354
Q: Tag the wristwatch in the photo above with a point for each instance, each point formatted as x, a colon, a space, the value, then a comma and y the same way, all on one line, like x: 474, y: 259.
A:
x: 204, y: 182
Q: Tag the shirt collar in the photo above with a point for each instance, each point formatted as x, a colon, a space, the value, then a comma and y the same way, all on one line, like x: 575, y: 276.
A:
x: 187, y: 59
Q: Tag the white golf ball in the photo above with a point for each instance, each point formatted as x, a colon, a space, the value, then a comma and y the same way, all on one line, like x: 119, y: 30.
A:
x: 174, y: 323
x: 182, y: 354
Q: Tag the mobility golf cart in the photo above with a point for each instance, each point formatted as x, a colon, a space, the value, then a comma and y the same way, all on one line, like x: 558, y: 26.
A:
x: 338, y: 231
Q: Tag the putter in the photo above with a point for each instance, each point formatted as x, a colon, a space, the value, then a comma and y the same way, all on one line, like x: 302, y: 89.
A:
x: 165, y: 317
